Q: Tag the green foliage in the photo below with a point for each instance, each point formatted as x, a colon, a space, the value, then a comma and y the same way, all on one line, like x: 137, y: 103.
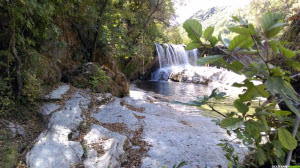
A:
x: 9, y: 149
x: 32, y: 88
x: 286, y: 138
x: 209, y: 59
x: 206, y: 99
x: 213, y: 41
x: 252, y: 128
x: 232, y: 123
x: 286, y: 52
x: 253, y: 91
x: 207, y: 34
x: 10, y: 156
x: 230, y: 155
x: 192, y: 45
x: 243, y: 30
x: 181, y: 164
x: 98, y: 78
x: 47, y: 32
x: 241, y: 107
x: 6, y: 99
x: 194, y: 29
x: 241, y: 41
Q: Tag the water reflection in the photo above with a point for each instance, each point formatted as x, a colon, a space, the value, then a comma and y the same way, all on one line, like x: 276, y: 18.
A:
x: 176, y: 90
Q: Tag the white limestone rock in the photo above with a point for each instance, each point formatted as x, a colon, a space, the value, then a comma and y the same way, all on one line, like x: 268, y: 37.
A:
x: 58, y: 93
x: 48, y: 108
x: 110, y: 146
x: 115, y: 113
x: 176, y: 135
x: 53, y: 148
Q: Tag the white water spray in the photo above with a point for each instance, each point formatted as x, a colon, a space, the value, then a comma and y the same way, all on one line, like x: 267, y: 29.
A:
x: 173, y: 58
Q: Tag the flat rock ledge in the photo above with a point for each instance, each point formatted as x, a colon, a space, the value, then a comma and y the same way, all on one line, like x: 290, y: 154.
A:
x: 99, y: 131
x: 61, y: 144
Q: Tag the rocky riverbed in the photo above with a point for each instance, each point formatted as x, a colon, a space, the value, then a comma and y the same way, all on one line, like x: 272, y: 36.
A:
x: 99, y: 130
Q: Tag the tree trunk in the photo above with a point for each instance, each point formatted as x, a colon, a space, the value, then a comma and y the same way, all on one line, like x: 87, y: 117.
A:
x: 295, y: 129
x: 96, y: 35
x: 13, y: 51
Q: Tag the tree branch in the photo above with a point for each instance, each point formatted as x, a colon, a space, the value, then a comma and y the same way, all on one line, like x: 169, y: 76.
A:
x: 213, y: 109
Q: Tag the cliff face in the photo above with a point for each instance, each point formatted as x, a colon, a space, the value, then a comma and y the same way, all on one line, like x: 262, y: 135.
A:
x: 218, y: 17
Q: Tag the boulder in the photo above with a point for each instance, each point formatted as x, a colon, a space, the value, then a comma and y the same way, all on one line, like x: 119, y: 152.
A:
x: 177, y: 77
x: 15, y: 129
x: 119, y: 85
x: 58, y: 93
x: 100, y: 79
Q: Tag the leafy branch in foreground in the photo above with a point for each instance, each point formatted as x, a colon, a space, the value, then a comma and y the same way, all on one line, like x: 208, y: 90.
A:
x: 271, y: 132
x: 210, y: 100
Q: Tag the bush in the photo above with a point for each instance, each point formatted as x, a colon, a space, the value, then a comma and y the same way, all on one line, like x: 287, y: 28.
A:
x: 97, y: 78
x: 278, y: 127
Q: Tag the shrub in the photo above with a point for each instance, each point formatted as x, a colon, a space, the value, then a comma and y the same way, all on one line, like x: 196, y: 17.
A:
x: 278, y: 127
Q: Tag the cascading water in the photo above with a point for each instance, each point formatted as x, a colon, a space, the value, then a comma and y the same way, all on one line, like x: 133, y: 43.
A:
x: 173, y: 58
x: 193, y: 56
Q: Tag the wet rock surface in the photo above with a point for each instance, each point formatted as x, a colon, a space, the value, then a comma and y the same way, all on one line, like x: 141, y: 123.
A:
x: 205, y: 75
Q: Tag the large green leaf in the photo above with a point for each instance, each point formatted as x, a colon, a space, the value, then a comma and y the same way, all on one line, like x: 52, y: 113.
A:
x: 286, y: 138
x: 277, y: 25
x: 282, y: 113
x: 253, y: 91
x: 261, y: 156
x: 209, y: 59
x: 278, y: 85
x: 273, y: 32
x: 240, y: 106
x: 286, y: 52
x: 235, y: 18
x: 235, y: 66
x: 194, y: 29
x: 242, y: 30
x: 252, y: 128
x: 241, y: 41
x: 278, y: 152
x: 265, y: 126
x: 232, y: 123
x: 213, y: 41
x: 270, y: 19
x: 249, y: 43
x: 208, y: 32
x: 192, y: 45
x: 271, y: 24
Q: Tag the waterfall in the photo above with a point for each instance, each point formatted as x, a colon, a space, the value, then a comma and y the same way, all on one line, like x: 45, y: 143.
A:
x: 193, y: 56
x: 173, y: 58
